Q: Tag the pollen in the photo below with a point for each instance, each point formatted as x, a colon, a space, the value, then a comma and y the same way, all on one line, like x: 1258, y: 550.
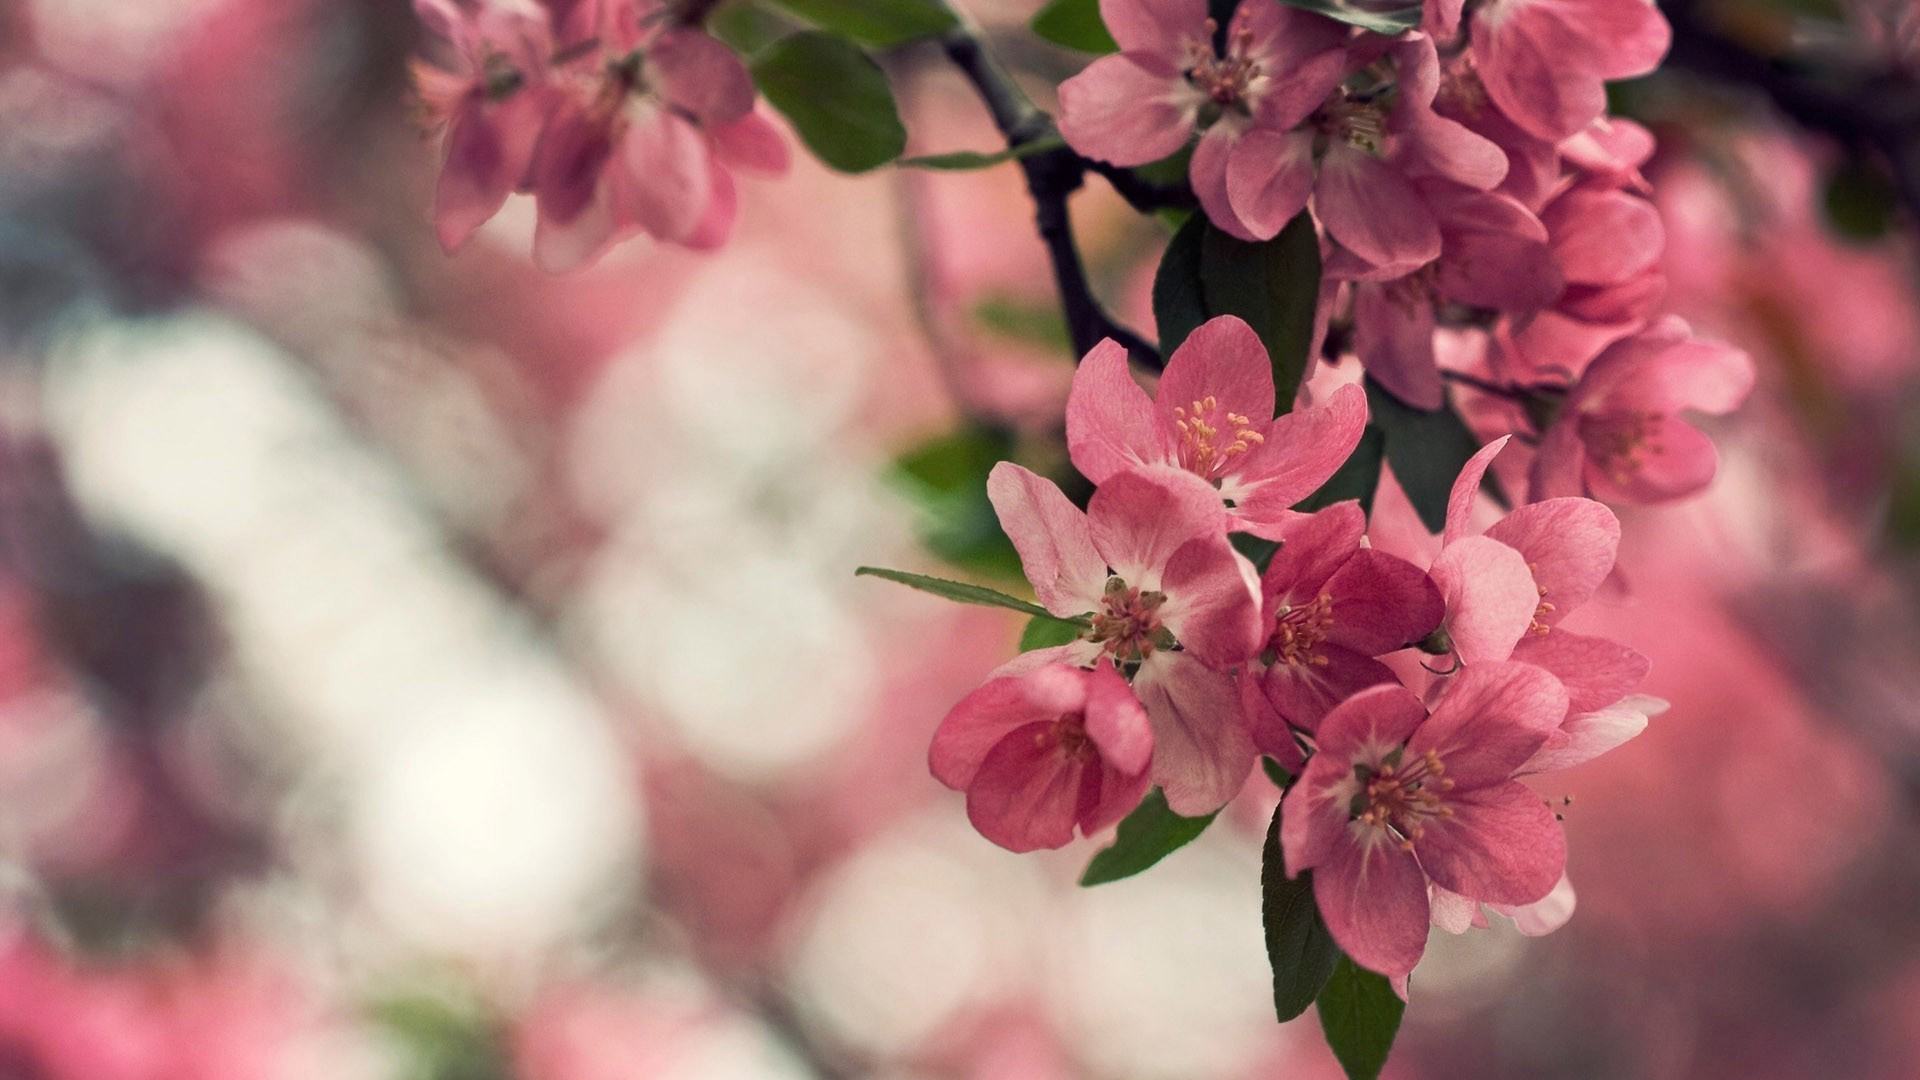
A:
x: 1298, y: 632
x: 1127, y: 625
x: 1228, y: 81
x: 1620, y: 443
x: 1400, y: 797
x: 1210, y: 437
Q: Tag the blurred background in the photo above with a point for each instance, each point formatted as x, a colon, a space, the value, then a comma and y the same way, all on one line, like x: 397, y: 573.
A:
x: 417, y: 666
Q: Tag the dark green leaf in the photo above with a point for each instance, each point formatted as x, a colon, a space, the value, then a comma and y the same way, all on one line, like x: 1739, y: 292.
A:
x: 946, y: 478
x: 1075, y: 24
x: 747, y: 28
x: 836, y: 98
x: 1179, y: 306
x: 1258, y: 551
x: 1358, y: 478
x: 1299, y: 948
x: 1045, y: 632
x: 961, y: 591
x: 1425, y: 451
x: 1275, y: 286
x: 1861, y: 200
x: 966, y: 160
x: 1388, y: 17
x: 876, y: 23
x: 1149, y: 834
x: 1281, y: 778
x: 1360, y: 1014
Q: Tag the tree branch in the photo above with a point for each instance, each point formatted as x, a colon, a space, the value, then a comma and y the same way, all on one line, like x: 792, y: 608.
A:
x: 1052, y: 175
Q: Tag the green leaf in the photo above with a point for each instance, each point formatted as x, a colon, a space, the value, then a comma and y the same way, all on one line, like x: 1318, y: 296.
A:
x: 1275, y: 286
x: 1360, y: 1014
x: 1425, y: 450
x: 876, y: 23
x: 1258, y: 550
x: 836, y: 98
x: 1075, y: 24
x: 946, y: 479
x: 1151, y: 833
x: 1861, y: 200
x: 1388, y: 17
x: 961, y: 591
x: 1179, y: 305
x: 1299, y: 948
x: 967, y: 160
x: 1045, y: 632
x: 1358, y: 478
x: 1281, y: 778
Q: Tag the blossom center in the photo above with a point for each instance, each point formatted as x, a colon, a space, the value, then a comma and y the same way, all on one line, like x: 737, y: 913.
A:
x: 1398, y: 797
x: 1210, y: 437
x: 1228, y: 80
x: 1620, y: 441
x: 1539, y: 626
x: 1068, y: 735
x: 501, y: 77
x: 1128, y: 622
x: 1298, y: 632
x: 1360, y: 122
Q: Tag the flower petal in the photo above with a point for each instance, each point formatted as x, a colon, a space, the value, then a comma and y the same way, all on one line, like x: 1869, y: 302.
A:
x: 1222, y: 359
x: 1027, y: 794
x: 1595, y: 671
x: 1202, y: 750
x: 1489, y: 720
x: 1500, y: 844
x: 1374, y: 211
x: 1569, y: 545
x: 999, y: 706
x: 1127, y: 110
x: 1466, y: 488
x: 1490, y: 597
x: 1213, y: 602
x: 1110, y: 420
x: 1382, y: 603
x: 1053, y: 538
x: 1374, y: 900
x: 1140, y: 517
x: 1299, y: 452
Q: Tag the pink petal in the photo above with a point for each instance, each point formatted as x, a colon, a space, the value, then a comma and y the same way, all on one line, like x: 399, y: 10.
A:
x: 1110, y: 421
x: 1490, y: 597
x: 1671, y: 461
x: 1271, y: 735
x: 999, y: 706
x: 1466, y: 488
x: 1202, y: 749
x: 1545, y: 915
x: 1523, y: 63
x: 1208, y: 174
x: 1496, y: 251
x: 1393, y: 325
x: 1027, y: 793
x: 1269, y: 176
x: 1127, y: 109
x: 1587, y: 735
x: 700, y: 76
x: 1300, y: 451
x: 723, y: 210
x: 489, y: 151
x: 1213, y: 602
x: 1595, y: 671
x: 1222, y: 359
x: 751, y: 142
x: 1117, y: 722
x: 1367, y: 725
x: 1053, y: 538
x: 1110, y: 799
x: 1374, y: 211
x: 1313, y: 547
x: 1602, y: 236
x: 560, y: 246
x: 1301, y: 695
x: 1569, y: 545
x: 1382, y: 603
x: 1452, y: 912
x: 1161, y: 27
x: 1559, y: 465
x: 569, y: 160
x: 1698, y: 375
x: 1501, y: 845
x: 1140, y: 517
x: 665, y: 174
x: 1489, y: 720
x: 1374, y: 900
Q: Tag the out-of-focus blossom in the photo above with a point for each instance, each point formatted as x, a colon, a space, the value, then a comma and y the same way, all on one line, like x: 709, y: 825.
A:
x: 1210, y: 417
x: 1546, y: 63
x: 1330, y: 607
x: 1620, y: 436
x: 1607, y: 244
x: 1395, y: 797
x: 1040, y: 753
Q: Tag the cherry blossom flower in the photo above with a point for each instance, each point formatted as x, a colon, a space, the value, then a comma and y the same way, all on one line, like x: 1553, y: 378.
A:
x: 1330, y: 606
x: 1045, y: 751
x: 1607, y: 243
x: 488, y: 108
x: 1546, y: 63
x: 1169, y: 81
x: 1210, y: 418
x: 1394, y: 798
x: 1168, y: 599
x: 651, y: 114
x: 1620, y: 435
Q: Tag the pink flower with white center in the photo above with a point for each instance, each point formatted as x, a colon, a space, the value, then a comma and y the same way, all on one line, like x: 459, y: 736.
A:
x: 1330, y: 607
x: 1394, y: 798
x: 652, y: 114
x: 1546, y: 63
x: 488, y: 107
x: 1167, y: 598
x: 1168, y: 81
x: 1043, y: 752
x: 1212, y: 416
x: 1358, y: 155
x: 1607, y: 244
x: 1494, y: 255
x: 1620, y: 435
x: 1508, y: 590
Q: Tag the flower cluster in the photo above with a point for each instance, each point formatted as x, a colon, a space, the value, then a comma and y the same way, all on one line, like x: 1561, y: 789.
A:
x: 617, y: 118
x: 1190, y: 663
x: 1464, y: 175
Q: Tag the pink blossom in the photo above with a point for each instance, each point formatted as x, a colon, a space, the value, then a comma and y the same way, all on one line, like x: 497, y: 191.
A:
x: 1494, y: 255
x: 1042, y: 752
x: 1168, y: 81
x: 1166, y: 595
x: 1210, y: 417
x: 1620, y: 436
x: 1546, y: 63
x: 489, y: 107
x: 1330, y: 606
x: 651, y: 115
x: 1607, y: 243
x: 1394, y: 798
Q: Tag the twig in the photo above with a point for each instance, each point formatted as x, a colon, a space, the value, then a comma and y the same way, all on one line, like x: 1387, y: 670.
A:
x: 1052, y: 175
